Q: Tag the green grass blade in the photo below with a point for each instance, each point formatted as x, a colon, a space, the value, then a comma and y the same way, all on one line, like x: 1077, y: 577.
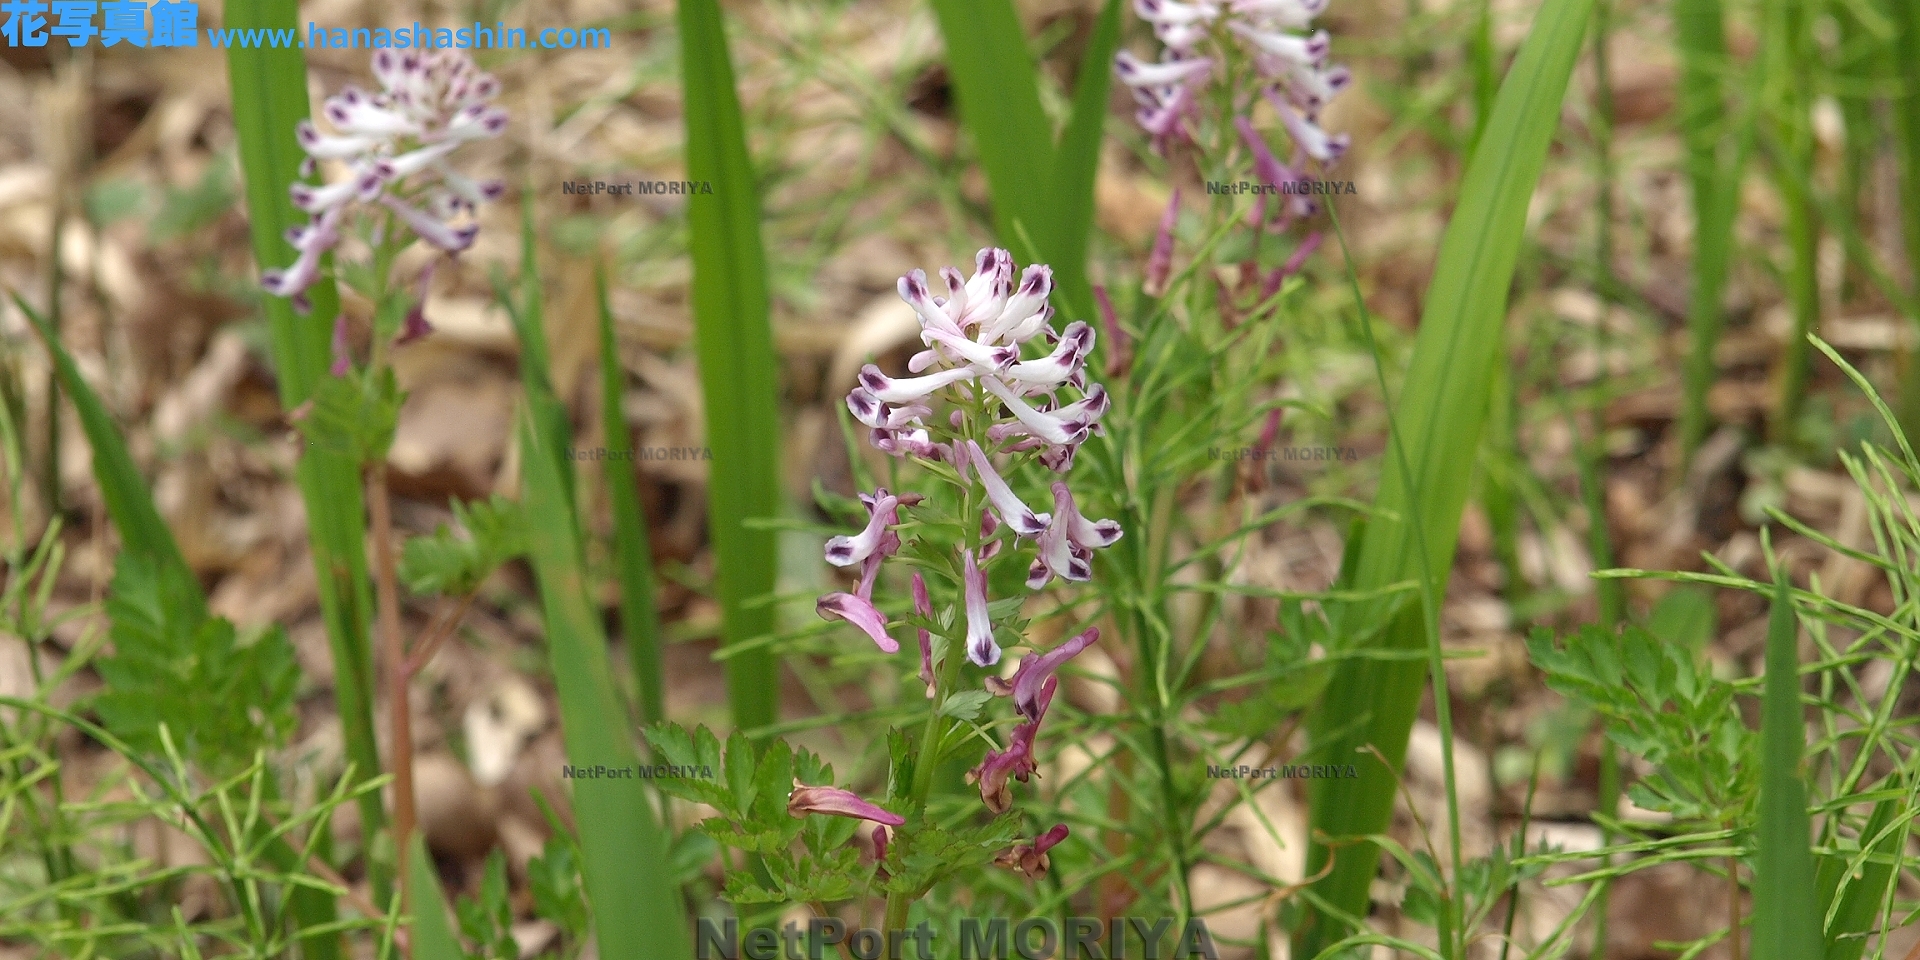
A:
x: 1860, y: 905
x: 998, y: 92
x: 432, y: 935
x: 269, y: 86
x: 1787, y: 94
x: 536, y: 365
x: 637, y: 909
x: 639, y: 619
x: 1906, y: 65
x: 1042, y: 196
x: 126, y: 492
x: 1786, y: 919
x: 1440, y: 415
x: 144, y: 533
x: 1075, y: 165
x: 734, y: 339
x: 1701, y: 34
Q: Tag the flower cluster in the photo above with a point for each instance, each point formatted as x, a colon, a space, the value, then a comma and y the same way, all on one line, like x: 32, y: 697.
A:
x: 1291, y: 67
x: 395, y: 145
x: 973, y: 337
x: 1004, y: 404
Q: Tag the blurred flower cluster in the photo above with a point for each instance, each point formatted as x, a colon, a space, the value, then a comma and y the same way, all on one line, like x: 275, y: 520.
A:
x: 1202, y: 37
x: 1002, y: 403
x: 395, y: 146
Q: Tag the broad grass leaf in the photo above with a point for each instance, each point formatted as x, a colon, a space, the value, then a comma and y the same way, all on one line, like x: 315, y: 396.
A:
x: 432, y: 936
x: 1786, y: 920
x: 734, y: 341
x: 640, y: 910
x: 633, y: 556
x: 1439, y: 417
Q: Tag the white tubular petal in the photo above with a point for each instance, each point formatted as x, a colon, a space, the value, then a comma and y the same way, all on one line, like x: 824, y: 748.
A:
x: 1172, y: 12
x: 908, y: 389
x: 408, y: 164
x: 1307, y: 51
x: 324, y: 147
x: 473, y: 191
x: 477, y: 123
x: 1036, y: 285
x: 1135, y: 72
x: 1015, y: 513
x: 433, y: 231
x: 1045, y: 426
x: 981, y: 355
x: 319, y: 199
x: 1291, y: 14
x: 362, y: 118
x: 1308, y: 136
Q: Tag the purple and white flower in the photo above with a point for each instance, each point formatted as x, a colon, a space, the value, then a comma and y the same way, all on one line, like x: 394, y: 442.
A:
x: 1289, y: 59
x: 835, y: 802
x: 1030, y: 859
x: 860, y: 612
x: 980, y: 646
x: 1067, y: 544
x: 1032, y: 683
x: 395, y: 145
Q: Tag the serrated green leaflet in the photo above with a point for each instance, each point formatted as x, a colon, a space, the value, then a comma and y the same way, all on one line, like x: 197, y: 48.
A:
x: 1786, y: 920
x: 269, y: 86
x: 639, y: 618
x: 456, y: 563
x: 173, y: 596
x: 735, y: 345
x: 1439, y: 416
x: 638, y: 909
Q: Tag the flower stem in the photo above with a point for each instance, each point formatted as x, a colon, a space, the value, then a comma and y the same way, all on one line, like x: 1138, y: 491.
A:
x: 399, y: 716
x: 948, y: 672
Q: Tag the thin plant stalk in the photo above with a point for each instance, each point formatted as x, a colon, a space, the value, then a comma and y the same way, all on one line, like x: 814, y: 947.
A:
x: 639, y: 619
x: 1701, y: 32
x: 1592, y: 456
x: 1906, y: 59
x: 394, y: 664
x: 1789, y: 101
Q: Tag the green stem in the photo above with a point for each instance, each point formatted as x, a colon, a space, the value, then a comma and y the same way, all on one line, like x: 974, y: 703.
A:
x: 954, y: 643
x: 1789, y: 78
